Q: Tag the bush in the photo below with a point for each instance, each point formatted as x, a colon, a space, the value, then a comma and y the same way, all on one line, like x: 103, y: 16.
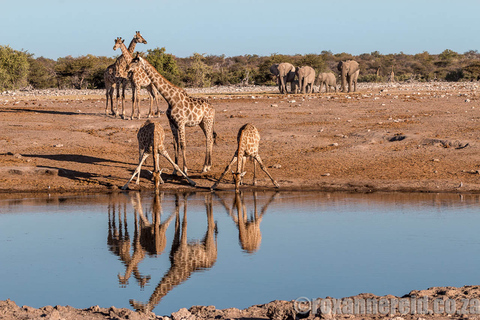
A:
x: 165, y: 64
x: 13, y: 68
x: 455, y: 75
x: 198, y: 74
x: 41, y: 73
x: 370, y: 78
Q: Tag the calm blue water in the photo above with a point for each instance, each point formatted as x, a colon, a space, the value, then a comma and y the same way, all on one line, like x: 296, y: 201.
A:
x: 135, y: 249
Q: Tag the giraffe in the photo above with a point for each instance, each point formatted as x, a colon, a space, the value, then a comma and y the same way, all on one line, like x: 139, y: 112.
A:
x: 138, y: 79
x: 391, y: 78
x: 153, y: 237
x: 116, y: 75
x: 150, y: 141
x: 249, y: 234
x: 183, y: 111
x: 148, y: 238
x: 185, y: 257
x: 119, y: 243
x: 248, y: 140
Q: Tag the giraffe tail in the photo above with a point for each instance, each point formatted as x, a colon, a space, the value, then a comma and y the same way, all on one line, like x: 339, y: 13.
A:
x: 214, y: 137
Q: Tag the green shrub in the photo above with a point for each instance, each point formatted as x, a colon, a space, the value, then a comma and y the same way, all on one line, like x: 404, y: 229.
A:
x: 41, y: 73
x: 13, y: 68
x: 165, y: 64
x: 370, y: 78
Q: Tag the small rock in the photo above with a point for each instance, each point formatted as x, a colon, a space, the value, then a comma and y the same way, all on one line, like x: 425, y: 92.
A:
x: 467, y: 100
x: 325, y: 174
x: 333, y: 144
x: 276, y: 166
x: 183, y: 314
x: 274, y: 105
x: 436, y: 160
x: 58, y: 145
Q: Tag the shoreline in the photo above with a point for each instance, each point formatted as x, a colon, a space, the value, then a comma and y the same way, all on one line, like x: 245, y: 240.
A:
x: 432, y: 303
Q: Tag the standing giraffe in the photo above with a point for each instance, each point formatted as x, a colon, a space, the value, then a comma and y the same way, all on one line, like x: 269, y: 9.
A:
x: 183, y: 111
x: 248, y: 140
x: 116, y: 75
x: 391, y: 78
x: 150, y: 141
x: 139, y: 78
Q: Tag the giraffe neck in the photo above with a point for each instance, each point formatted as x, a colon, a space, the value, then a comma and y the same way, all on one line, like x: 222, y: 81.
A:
x: 131, y: 46
x: 170, y: 92
x: 126, y: 54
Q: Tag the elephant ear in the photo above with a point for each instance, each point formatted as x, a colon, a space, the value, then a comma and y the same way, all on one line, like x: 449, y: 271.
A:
x: 339, y: 67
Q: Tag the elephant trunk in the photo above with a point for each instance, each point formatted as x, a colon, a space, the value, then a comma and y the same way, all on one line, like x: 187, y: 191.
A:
x: 344, y: 80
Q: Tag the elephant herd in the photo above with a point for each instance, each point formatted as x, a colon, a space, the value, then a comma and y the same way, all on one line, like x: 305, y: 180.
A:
x: 302, y: 79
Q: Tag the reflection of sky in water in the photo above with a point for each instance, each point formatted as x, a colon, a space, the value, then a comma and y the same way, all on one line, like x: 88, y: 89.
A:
x: 312, y: 245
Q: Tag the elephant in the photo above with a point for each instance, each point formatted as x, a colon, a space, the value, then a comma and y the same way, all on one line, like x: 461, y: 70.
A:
x: 349, y: 70
x: 306, y: 78
x: 285, y: 72
x: 328, y: 79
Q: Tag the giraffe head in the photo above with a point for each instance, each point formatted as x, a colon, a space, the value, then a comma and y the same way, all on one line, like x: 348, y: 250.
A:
x: 237, y: 177
x: 118, y: 42
x: 138, y: 38
x: 135, y: 64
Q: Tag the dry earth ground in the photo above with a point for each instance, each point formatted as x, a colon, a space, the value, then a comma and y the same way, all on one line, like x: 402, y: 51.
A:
x: 404, y: 137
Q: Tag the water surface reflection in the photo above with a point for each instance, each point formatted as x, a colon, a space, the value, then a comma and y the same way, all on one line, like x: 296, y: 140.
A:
x: 165, y: 251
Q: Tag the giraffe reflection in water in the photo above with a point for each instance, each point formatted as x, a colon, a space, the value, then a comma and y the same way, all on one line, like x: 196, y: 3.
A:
x: 185, y: 257
x: 249, y: 234
x: 119, y: 241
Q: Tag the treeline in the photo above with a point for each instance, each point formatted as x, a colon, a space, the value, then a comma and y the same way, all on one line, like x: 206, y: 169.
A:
x: 20, y: 69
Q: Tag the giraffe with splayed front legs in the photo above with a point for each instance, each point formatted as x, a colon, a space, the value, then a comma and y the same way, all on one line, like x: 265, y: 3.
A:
x: 139, y: 78
x: 248, y: 139
x: 115, y: 76
x: 183, y: 111
x: 150, y: 141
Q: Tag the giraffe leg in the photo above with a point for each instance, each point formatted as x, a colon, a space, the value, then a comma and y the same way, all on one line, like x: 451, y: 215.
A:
x: 244, y: 160
x: 152, y: 97
x: 254, y: 172
x: 134, y: 99
x: 124, y: 85
x: 107, y: 94
x: 207, y: 127
x: 183, y: 146
x: 175, y: 143
x: 157, y: 173
x: 111, y: 93
x: 164, y: 153
x: 137, y: 171
x: 117, y: 86
x: 262, y: 166
x: 224, y: 172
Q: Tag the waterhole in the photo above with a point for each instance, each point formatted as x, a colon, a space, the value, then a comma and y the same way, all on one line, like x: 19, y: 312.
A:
x: 167, y: 251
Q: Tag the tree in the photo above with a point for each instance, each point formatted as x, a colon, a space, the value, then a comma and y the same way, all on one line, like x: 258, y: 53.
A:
x: 13, y: 68
x: 41, y: 73
x: 165, y: 64
x: 198, y: 73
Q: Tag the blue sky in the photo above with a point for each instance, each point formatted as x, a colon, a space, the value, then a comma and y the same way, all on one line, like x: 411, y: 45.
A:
x: 57, y: 28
